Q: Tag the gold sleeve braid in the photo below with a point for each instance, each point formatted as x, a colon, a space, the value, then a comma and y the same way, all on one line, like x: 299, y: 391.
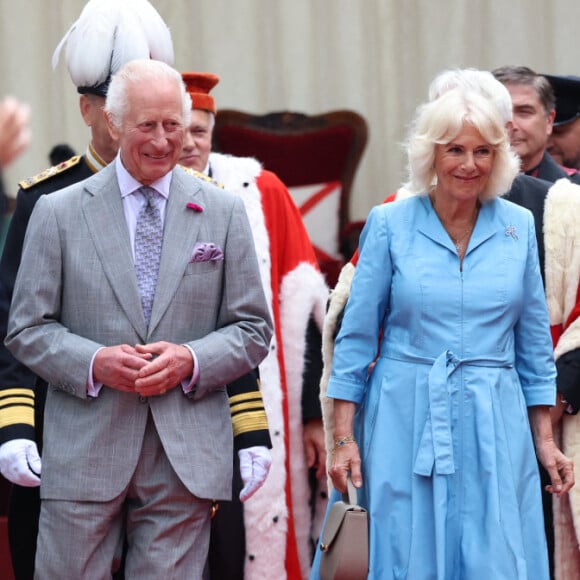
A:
x: 248, y: 413
x: 16, y: 407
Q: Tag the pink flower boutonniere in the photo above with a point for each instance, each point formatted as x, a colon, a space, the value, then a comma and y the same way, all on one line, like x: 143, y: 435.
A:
x: 195, y: 207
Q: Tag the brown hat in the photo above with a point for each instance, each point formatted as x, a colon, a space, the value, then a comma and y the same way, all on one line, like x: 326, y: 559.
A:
x: 198, y: 85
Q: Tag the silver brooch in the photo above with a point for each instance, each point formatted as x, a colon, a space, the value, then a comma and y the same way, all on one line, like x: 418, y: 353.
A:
x: 511, y: 231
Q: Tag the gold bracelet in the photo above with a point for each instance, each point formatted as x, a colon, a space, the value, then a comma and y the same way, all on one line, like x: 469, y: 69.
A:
x: 343, y: 441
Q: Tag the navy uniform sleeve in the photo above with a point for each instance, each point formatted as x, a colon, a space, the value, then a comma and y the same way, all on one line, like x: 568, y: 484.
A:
x: 249, y: 420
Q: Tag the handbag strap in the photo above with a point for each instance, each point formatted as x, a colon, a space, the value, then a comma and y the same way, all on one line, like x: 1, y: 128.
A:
x: 351, y: 495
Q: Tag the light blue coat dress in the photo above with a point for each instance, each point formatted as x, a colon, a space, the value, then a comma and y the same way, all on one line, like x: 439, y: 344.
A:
x: 450, y: 474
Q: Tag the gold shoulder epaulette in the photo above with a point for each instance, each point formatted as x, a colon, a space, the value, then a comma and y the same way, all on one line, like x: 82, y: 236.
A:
x: 50, y: 172
x: 200, y: 175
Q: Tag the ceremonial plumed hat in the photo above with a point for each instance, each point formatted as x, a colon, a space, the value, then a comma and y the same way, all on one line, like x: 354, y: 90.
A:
x: 198, y: 85
x: 567, y: 91
x: 108, y: 34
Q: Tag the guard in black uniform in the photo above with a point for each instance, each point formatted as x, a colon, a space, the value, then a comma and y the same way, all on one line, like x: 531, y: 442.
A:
x: 20, y: 415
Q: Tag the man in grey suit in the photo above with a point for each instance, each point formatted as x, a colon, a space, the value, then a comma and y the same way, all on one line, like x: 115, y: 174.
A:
x: 137, y: 433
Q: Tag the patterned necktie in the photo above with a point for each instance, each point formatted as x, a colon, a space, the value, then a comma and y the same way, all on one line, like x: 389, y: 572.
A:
x: 148, y: 238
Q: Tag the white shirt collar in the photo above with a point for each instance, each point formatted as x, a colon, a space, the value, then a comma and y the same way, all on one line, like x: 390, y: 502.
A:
x: 128, y: 184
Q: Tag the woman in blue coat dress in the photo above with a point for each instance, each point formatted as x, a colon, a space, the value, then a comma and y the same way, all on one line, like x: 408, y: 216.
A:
x: 444, y: 360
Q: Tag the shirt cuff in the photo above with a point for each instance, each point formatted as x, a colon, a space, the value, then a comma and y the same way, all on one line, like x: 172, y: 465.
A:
x: 188, y: 385
x: 93, y: 388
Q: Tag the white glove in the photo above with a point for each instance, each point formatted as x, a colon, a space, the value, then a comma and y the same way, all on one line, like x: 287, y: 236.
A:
x: 254, y: 467
x: 20, y: 462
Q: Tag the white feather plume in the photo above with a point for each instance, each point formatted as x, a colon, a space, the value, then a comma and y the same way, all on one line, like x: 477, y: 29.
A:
x: 109, y: 33
x: 155, y: 29
x: 130, y: 41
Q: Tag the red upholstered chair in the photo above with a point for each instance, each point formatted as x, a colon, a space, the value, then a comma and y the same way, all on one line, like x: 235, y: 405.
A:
x: 316, y: 156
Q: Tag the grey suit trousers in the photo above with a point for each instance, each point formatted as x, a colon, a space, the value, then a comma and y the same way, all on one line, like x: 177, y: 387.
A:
x: 167, y: 527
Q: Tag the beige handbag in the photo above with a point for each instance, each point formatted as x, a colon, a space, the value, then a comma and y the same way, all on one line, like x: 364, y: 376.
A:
x: 345, y: 540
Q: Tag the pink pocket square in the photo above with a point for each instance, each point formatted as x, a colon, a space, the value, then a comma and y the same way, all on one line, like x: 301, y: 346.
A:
x: 206, y: 252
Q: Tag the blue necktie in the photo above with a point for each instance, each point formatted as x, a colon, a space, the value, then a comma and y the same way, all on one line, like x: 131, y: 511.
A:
x: 148, y: 239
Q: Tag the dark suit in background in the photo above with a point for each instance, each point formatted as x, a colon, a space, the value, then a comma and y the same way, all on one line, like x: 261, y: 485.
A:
x: 549, y: 170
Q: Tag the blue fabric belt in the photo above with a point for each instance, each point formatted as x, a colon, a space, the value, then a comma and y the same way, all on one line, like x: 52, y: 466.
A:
x: 436, y: 445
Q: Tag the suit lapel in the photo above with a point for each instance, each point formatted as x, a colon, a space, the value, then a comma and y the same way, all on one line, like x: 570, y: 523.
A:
x: 180, y: 231
x: 105, y: 219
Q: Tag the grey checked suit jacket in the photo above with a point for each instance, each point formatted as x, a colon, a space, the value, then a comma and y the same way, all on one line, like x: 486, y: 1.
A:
x: 77, y: 291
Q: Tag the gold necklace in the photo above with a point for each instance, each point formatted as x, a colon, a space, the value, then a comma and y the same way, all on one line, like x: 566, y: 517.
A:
x: 458, y: 240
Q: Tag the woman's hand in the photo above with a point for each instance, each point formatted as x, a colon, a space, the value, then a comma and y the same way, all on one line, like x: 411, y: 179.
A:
x: 345, y: 459
x: 558, y: 466
x: 345, y: 453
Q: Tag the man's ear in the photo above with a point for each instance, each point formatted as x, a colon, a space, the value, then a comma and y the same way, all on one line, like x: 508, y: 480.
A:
x: 85, y: 106
x: 551, y: 117
x: 113, y: 131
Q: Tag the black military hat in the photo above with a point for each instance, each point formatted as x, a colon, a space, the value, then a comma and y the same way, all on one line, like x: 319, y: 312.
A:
x: 567, y: 91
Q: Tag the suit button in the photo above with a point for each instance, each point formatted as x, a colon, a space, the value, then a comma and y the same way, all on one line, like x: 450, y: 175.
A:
x: 142, y: 399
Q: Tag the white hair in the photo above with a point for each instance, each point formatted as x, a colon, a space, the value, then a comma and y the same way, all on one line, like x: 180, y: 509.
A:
x: 439, y: 121
x: 477, y: 80
x: 138, y: 71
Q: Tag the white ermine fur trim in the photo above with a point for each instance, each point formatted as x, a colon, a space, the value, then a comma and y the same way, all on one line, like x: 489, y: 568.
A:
x: 302, y: 292
x: 562, y: 252
x: 567, y: 508
x: 562, y: 259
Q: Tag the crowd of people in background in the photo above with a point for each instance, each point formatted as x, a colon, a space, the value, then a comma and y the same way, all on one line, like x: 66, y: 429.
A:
x: 164, y: 320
